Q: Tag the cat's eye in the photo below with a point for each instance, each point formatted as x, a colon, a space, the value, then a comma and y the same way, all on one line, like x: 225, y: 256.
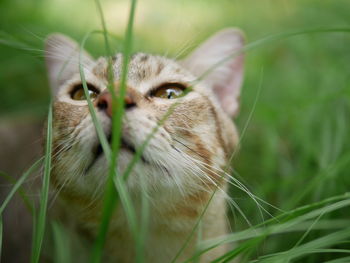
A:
x: 78, y: 92
x: 169, y: 91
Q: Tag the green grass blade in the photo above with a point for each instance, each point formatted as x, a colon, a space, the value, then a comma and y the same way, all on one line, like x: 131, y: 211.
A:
x: 18, y: 184
x: 8, y: 40
x: 1, y: 234
x: 339, y: 260
x: 109, y: 202
x: 341, y: 163
x: 296, y: 220
x: 250, y: 235
x: 307, y: 231
x: 118, y: 111
x: 100, y: 133
x: 127, y: 204
x: 282, y: 226
x: 238, y: 250
x: 110, y: 192
x: 41, y: 220
x: 310, y: 247
x: 21, y: 192
x: 196, y: 258
x: 144, y: 224
x: 107, y: 212
x: 330, y: 250
x: 108, y: 49
x: 61, y: 244
x: 118, y: 104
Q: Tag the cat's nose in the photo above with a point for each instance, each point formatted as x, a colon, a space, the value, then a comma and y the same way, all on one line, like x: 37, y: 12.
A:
x: 104, y: 102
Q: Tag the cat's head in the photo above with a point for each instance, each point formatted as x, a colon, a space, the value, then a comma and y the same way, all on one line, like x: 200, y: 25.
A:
x: 188, y: 150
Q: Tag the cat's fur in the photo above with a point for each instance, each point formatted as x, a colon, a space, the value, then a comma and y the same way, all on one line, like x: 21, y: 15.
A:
x: 180, y: 167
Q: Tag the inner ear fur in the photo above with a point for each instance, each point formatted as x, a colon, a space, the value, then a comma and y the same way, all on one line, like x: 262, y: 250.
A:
x: 222, y: 55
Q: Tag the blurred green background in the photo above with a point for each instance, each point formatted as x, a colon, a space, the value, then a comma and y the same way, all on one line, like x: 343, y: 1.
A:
x: 295, y: 66
x: 295, y: 149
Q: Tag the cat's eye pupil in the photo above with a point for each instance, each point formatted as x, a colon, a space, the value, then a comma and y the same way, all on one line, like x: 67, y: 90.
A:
x: 170, y: 91
x: 170, y: 94
x: 79, y: 94
x: 92, y: 94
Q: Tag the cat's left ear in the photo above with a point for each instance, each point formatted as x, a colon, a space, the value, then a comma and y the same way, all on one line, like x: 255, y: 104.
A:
x: 62, y: 56
x: 221, y: 53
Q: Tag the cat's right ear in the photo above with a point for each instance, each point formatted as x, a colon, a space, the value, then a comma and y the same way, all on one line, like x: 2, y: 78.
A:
x: 62, y: 59
x: 219, y: 63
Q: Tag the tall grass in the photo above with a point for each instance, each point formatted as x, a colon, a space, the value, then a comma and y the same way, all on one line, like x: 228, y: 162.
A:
x: 313, y: 224
x: 62, y: 244
x: 117, y: 110
x: 40, y: 219
x: 110, y: 194
x: 1, y: 231
x: 19, y: 183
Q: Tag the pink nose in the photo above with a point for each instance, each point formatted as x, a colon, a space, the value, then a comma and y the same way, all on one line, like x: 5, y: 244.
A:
x: 104, y: 102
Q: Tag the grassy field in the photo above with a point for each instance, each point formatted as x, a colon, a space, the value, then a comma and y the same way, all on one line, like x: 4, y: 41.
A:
x: 295, y: 105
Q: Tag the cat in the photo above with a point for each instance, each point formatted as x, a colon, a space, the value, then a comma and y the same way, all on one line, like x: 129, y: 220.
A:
x: 182, y: 164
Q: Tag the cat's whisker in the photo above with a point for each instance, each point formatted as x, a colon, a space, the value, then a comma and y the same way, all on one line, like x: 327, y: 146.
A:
x: 57, y: 191
x: 63, y: 147
x: 184, y: 129
x: 63, y: 57
x: 41, y: 38
x: 232, y: 202
x: 242, y: 187
x: 237, y: 184
x: 191, y: 158
x: 77, y: 173
x: 30, y: 181
x: 186, y: 46
x: 202, y: 173
x: 76, y: 170
x: 71, y: 61
x: 98, y: 192
x: 258, y: 198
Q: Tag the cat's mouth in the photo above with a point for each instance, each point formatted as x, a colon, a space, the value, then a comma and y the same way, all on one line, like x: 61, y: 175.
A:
x: 124, y: 145
x: 98, y: 150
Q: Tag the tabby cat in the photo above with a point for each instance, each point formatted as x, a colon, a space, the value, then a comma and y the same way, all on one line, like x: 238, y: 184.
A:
x: 182, y: 164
